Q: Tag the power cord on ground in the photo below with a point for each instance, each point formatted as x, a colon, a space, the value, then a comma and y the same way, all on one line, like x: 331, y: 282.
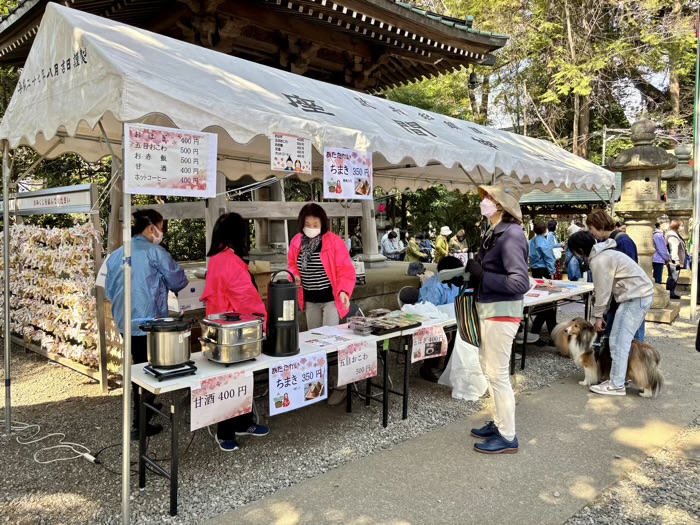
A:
x: 79, y: 451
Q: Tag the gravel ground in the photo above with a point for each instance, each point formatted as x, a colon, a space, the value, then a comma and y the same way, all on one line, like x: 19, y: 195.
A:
x: 665, y: 489
x: 301, y: 445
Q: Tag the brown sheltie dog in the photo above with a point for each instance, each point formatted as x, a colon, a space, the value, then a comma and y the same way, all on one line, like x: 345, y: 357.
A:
x: 577, y: 339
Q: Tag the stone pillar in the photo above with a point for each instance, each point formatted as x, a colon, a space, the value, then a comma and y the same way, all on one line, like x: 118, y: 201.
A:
x: 640, y: 202
x: 679, y: 187
x: 371, y: 256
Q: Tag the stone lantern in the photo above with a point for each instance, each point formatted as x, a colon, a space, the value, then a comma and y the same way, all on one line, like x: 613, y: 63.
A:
x: 640, y: 201
x: 679, y: 187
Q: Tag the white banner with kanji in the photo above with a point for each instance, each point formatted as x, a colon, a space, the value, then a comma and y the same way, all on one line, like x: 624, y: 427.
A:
x: 169, y: 161
x: 220, y: 398
x: 347, y: 174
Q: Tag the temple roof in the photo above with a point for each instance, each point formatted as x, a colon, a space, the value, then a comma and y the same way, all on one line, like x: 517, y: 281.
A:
x: 367, y: 45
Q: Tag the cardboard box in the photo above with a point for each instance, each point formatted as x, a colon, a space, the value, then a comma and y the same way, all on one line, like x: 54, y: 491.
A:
x: 261, y: 273
x: 188, y: 298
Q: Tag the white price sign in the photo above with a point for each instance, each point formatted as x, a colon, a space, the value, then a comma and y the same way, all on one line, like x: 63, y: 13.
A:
x: 357, y: 362
x: 347, y: 174
x: 428, y: 342
x: 169, y: 161
x: 220, y: 398
x: 298, y: 382
x: 290, y: 153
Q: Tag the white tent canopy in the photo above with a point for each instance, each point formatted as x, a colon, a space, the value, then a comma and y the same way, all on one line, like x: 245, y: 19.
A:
x: 83, y: 69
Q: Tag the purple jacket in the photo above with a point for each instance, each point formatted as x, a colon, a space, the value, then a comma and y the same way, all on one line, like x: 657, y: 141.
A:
x: 504, y: 257
x: 661, y: 254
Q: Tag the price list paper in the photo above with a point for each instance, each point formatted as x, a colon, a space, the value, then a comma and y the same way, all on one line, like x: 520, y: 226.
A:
x: 428, y: 342
x: 221, y: 398
x: 290, y: 153
x: 357, y: 362
x: 298, y: 382
x: 347, y: 174
x: 169, y: 161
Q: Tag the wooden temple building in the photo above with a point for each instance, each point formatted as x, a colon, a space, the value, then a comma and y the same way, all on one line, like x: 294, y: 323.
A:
x: 367, y: 45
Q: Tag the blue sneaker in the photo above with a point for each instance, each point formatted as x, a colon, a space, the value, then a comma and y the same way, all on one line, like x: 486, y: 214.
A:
x: 255, y: 430
x: 228, y: 445
x: 497, y: 445
x: 488, y: 430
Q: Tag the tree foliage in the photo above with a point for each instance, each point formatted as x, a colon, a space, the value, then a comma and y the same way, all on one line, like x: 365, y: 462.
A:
x: 574, y: 66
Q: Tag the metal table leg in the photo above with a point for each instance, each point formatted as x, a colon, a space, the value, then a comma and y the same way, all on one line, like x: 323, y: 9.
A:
x: 368, y: 392
x: 142, y: 440
x: 406, y: 372
x: 174, y: 454
x: 385, y: 387
x: 526, y: 328
x: 348, y: 398
x: 587, y: 312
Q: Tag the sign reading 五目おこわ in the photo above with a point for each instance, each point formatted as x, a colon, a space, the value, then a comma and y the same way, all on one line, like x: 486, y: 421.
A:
x: 347, y: 174
x: 220, y: 398
x: 357, y: 362
x: 298, y: 382
x: 169, y: 161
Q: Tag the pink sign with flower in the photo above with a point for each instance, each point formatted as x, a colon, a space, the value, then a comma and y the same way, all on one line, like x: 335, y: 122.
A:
x: 220, y: 398
x: 428, y: 342
x: 357, y: 362
x: 169, y: 161
x: 297, y: 382
x: 347, y: 174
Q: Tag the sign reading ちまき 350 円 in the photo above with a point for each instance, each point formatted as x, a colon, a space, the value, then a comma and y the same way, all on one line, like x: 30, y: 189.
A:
x: 169, y: 161
x: 347, y: 174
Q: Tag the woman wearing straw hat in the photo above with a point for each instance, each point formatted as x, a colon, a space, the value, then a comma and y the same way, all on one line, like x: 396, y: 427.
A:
x: 442, y: 245
x: 499, y: 273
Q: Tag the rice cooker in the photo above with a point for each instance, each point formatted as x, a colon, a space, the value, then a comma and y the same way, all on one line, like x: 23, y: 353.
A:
x: 168, y: 342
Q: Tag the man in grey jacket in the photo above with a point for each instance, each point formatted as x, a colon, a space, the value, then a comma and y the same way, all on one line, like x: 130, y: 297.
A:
x: 616, y: 276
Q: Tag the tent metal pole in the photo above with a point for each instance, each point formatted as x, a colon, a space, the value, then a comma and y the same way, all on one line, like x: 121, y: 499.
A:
x: 31, y: 168
x: 696, y: 185
x: 126, y: 360
x: 476, y: 186
x: 6, y: 262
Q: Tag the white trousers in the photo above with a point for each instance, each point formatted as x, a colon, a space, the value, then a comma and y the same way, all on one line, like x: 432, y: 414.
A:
x: 494, y: 353
x: 321, y: 314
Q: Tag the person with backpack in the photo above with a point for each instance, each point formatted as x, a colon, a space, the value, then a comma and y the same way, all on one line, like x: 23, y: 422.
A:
x: 678, y: 252
x: 602, y: 226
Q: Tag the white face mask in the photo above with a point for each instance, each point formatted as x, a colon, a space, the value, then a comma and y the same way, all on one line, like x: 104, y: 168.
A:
x: 159, y: 238
x: 488, y: 208
x: 312, y: 232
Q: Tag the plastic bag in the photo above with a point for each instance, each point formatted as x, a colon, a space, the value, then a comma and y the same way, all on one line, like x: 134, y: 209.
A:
x: 463, y: 372
x: 424, y: 309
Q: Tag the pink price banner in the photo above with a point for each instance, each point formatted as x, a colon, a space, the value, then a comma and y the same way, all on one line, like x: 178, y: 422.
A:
x: 169, y: 161
x: 357, y: 362
x: 428, y: 342
x: 220, y: 398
